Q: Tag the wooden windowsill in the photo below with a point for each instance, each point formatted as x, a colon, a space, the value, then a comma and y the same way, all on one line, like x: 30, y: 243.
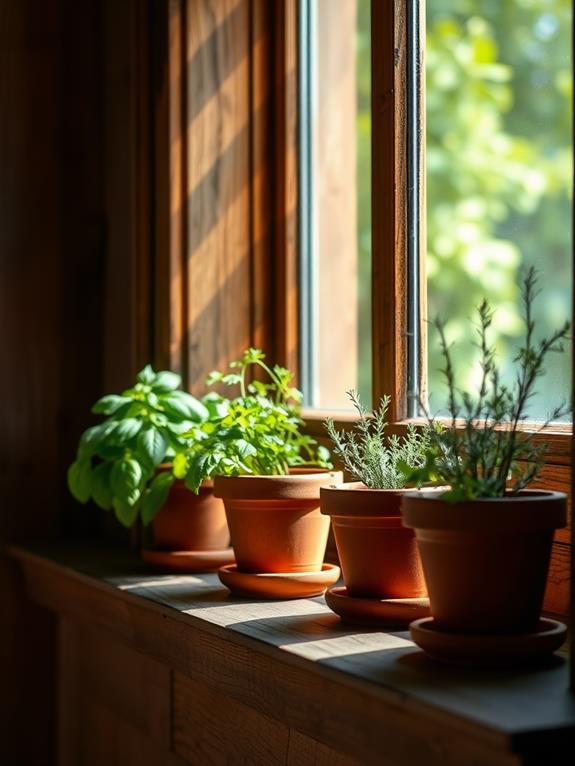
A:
x: 369, y: 694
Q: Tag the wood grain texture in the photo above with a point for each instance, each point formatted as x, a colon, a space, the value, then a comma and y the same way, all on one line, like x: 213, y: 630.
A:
x: 218, y: 179
x: 293, y: 662
x: 285, y: 163
x: 211, y: 729
x: 114, y: 703
x: 388, y: 67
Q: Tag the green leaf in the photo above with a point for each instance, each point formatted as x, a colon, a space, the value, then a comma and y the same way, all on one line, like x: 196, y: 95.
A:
x: 101, y: 489
x: 180, y: 465
x: 80, y: 480
x: 152, y: 444
x: 245, y: 449
x: 125, y: 481
x: 155, y: 496
x: 93, y: 438
x: 167, y: 381
x: 126, y: 514
x: 126, y: 430
x: 109, y: 404
x: 217, y: 406
x: 198, y: 471
x: 183, y: 406
x: 147, y: 375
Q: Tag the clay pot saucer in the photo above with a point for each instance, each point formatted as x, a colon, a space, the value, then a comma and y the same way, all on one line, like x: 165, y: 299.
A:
x: 391, y: 613
x: 188, y: 562
x: 488, y: 651
x: 278, y: 585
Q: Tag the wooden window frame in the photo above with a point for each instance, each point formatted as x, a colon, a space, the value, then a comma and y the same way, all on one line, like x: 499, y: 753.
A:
x: 389, y: 275
x: 272, y: 236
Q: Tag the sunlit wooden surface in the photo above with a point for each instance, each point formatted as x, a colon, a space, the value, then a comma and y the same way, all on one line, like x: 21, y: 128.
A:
x: 256, y: 682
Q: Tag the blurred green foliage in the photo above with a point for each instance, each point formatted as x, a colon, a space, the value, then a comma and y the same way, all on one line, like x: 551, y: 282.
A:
x: 499, y: 176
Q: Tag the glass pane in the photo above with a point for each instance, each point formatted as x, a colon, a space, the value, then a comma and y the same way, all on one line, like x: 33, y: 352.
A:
x: 335, y: 177
x: 499, y: 177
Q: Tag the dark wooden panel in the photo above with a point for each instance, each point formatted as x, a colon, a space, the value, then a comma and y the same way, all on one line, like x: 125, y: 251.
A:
x: 212, y: 729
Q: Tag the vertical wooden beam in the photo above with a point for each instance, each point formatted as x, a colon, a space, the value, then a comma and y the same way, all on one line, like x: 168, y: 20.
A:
x: 128, y: 303
x: 169, y: 173
x: 261, y: 199
x: 285, y: 248
x: 218, y: 185
x: 389, y: 243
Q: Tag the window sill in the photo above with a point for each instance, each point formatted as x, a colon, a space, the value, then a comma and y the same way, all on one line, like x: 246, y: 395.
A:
x: 370, y: 695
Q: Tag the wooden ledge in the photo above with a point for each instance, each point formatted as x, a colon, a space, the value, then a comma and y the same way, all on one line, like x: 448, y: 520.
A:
x: 368, y: 694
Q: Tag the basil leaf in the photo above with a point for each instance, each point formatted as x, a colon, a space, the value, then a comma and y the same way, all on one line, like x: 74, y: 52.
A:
x: 126, y: 430
x: 146, y: 376
x: 125, y: 481
x: 167, y: 381
x: 107, y: 405
x: 126, y: 514
x: 152, y: 444
x: 93, y: 438
x: 198, y: 471
x: 183, y: 406
x: 101, y: 489
x: 80, y: 480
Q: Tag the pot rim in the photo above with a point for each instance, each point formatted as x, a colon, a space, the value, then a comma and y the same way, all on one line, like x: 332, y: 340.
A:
x: 292, y: 486
x: 528, y: 510
x: 356, y: 499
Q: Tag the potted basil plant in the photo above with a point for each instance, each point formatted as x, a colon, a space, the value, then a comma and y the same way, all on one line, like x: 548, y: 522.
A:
x: 485, y: 543
x: 266, y: 470
x: 125, y: 463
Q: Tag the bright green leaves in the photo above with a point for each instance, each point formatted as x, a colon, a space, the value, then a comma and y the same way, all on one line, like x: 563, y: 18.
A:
x: 166, y: 381
x: 152, y: 444
x: 156, y: 495
x: 80, y: 480
x: 109, y: 404
x: 183, y: 406
x: 258, y: 432
x: 127, y: 429
x: 125, y: 481
x: 101, y: 486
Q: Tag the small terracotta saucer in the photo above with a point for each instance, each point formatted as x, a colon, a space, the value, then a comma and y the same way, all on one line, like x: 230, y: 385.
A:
x: 474, y: 650
x: 375, y: 612
x: 278, y: 585
x: 188, y: 562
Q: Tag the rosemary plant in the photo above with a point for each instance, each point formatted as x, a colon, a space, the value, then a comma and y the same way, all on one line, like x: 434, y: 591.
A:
x: 370, y: 455
x: 483, y: 452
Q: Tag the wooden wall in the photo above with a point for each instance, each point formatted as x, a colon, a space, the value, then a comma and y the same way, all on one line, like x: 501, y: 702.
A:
x: 56, y: 305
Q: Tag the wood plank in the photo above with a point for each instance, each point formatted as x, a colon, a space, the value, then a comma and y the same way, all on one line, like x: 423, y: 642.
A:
x: 212, y: 729
x: 305, y: 751
x: 292, y: 661
x: 218, y: 179
x: 388, y: 178
x: 285, y: 242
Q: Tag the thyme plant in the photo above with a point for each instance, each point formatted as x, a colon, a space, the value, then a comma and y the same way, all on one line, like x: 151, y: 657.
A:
x: 370, y: 455
x: 483, y: 453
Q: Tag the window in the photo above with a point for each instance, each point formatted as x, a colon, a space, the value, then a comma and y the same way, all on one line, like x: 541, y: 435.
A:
x: 474, y: 117
x: 471, y: 178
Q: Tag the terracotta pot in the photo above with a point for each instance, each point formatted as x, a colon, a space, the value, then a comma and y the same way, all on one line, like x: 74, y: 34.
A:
x: 486, y: 561
x: 378, y: 555
x: 189, y: 522
x: 275, y: 522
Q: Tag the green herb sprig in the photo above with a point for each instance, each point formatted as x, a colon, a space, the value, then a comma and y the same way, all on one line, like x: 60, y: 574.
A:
x: 260, y: 431
x: 483, y: 453
x: 370, y: 455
